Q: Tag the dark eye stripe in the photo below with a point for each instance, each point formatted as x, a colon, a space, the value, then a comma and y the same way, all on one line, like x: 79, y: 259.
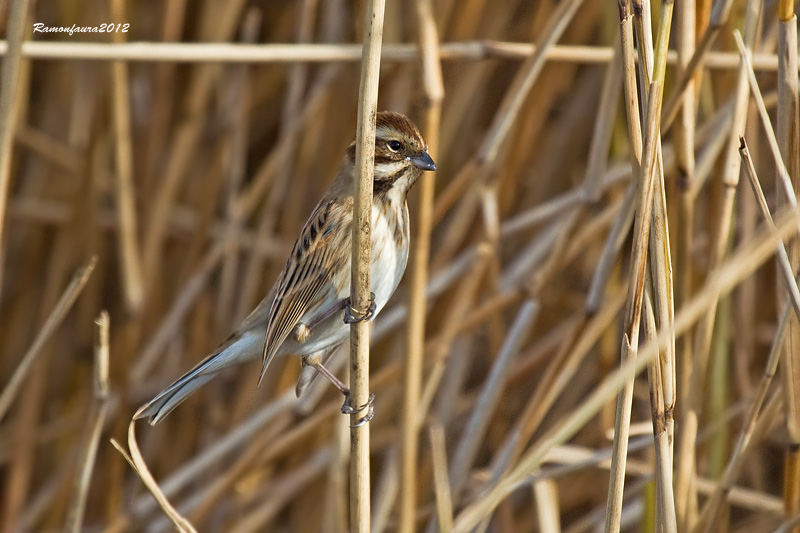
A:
x: 382, y: 159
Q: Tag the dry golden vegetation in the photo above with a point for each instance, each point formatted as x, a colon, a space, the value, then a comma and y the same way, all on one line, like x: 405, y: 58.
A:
x: 601, y: 289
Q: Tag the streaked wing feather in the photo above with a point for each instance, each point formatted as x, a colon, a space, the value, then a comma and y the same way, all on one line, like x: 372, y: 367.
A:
x: 312, y: 263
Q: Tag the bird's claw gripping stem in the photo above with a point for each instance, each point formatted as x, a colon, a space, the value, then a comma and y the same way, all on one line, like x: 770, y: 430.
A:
x: 347, y: 409
x: 351, y: 318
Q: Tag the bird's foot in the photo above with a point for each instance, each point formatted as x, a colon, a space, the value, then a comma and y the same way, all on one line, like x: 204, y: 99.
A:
x: 347, y: 409
x: 354, y: 318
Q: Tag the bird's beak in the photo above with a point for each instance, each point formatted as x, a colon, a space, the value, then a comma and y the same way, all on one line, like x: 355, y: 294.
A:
x: 423, y: 160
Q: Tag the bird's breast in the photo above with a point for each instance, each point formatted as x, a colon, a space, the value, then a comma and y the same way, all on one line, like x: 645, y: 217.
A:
x: 390, y: 232
x: 390, y: 229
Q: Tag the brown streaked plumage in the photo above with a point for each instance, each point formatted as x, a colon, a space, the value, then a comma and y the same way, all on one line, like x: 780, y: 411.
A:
x: 304, y: 312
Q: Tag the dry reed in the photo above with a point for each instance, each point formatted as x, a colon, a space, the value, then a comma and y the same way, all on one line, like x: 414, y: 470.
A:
x: 185, y: 155
x: 360, y: 495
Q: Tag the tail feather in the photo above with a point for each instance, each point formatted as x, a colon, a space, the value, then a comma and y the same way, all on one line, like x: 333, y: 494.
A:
x: 243, y: 349
x: 168, y: 399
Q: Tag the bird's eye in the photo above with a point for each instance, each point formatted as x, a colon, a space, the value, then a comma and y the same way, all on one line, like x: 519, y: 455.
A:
x: 395, y: 146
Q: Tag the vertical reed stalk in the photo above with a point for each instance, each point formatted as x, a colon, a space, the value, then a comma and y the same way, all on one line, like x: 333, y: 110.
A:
x: 661, y: 284
x: 631, y: 97
x: 444, y: 505
x: 420, y: 254
x: 641, y: 244
x: 719, y: 16
x: 684, y: 137
x: 9, y: 82
x: 702, y: 340
x: 129, y: 253
x: 360, y: 283
x: 788, y: 134
x: 100, y: 410
x: 665, y: 498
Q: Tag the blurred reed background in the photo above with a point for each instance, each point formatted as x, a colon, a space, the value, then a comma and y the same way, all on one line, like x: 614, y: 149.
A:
x: 187, y: 173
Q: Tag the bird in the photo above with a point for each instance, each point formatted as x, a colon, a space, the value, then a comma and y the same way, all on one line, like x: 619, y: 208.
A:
x: 307, y: 312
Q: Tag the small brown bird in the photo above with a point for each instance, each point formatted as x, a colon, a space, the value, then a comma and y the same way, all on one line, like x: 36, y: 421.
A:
x: 307, y: 313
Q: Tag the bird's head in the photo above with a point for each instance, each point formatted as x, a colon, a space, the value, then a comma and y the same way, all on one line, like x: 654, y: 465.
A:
x: 401, y: 154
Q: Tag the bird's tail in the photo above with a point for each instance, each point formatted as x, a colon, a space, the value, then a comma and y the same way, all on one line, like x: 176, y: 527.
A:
x: 245, y: 348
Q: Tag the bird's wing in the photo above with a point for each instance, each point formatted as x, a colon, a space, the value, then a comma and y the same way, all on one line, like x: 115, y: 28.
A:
x: 321, y: 251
